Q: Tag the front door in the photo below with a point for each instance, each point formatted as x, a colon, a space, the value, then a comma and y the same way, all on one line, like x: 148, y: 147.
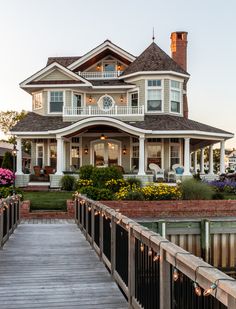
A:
x: 106, y: 153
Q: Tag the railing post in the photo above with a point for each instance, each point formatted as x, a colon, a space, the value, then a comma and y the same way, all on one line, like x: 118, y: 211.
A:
x: 92, y: 226
x: 1, y: 228
x: 162, y: 228
x: 113, y: 245
x: 231, y: 302
x: 86, y: 219
x: 165, y: 277
x: 101, y: 235
x: 82, y: 215
x: 89, y: 110
x: 205, y: 240
x: 131, y: 267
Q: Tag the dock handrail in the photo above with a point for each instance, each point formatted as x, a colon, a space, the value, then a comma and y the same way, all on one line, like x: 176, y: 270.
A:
x: 9, y: 217
x: 142, y: 262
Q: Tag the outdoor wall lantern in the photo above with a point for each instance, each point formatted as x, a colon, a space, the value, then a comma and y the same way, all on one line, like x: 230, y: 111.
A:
x: 102, y: 137
x: 121, y: 99
x: 86, y: 149
x: 90, y: 99
x: 124, y: 150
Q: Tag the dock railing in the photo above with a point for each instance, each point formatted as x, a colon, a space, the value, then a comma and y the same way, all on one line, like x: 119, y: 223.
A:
x: 9, y: 217
x: 151, y: 271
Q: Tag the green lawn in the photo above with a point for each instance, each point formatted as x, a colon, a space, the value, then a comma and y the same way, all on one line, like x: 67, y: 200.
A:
x: 229, y: 196
x: 48, y: 200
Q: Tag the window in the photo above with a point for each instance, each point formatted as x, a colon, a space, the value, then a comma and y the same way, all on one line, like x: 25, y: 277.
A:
x: 53, y: 155
x: 154, y: 154
x: 135, y: 152
x: 75, y: 158
x: 106, y: 103
x: 39, y: 155
x: 37, y: 100
x: 134, y: 99
x: 56, y: 101
x: 175, y: 96
x: 154, y: 94
x: 77, y: 101
x: 174, y: 151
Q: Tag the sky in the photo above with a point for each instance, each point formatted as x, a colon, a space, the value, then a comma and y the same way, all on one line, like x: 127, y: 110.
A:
x: 33, y: 30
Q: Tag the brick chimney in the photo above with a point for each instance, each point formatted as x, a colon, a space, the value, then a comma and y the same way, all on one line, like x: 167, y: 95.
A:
x: 179, y: 48
x: 179, y: 54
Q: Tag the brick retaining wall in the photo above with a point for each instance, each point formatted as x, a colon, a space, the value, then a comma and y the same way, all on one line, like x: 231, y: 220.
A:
x: 25, y: 212
x: 175, y: 209
x: 149, y: 209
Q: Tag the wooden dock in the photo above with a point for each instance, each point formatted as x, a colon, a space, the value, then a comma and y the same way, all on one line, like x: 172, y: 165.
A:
x: 49, y: 264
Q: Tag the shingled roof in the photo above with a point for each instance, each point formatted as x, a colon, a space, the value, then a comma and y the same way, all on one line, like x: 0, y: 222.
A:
x: 65, y: 61
x: 153, y: 58
x: 33, y: 122
x: 174, y: 123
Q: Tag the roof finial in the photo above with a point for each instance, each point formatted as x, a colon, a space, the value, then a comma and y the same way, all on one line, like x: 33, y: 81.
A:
x: 153, y: 34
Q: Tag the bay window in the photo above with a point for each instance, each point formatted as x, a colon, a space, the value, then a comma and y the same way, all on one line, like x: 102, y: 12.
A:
x: 154, y: 95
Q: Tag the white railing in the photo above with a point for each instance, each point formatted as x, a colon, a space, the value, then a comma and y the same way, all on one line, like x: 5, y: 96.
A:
x: 96, y: 111
x: 100, y: 75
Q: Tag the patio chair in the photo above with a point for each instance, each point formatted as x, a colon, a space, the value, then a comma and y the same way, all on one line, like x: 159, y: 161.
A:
x: 157, y: 171
x: 37, y: 170
x: 177, y: 169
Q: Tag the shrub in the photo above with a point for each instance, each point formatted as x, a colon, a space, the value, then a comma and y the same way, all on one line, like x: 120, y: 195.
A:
x: 83, y: 183
x: 7, y: 161
x: 161, y: 192
x: 218, y: 196
x: 85, y: 172
x: 134, y: 181
x: 224, y: 186
x: 135, y: 196
x: 67, y: 183
x: 101, y: 175
x: 6, y: 177
x: 8, y: 191
x: 195, y: 190
x: 115, y: 184
x: 97, y: 194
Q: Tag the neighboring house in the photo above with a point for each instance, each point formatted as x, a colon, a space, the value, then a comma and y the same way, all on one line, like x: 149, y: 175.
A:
x: 232, y: 160
x: 7, y: 147
x: 109, y: 107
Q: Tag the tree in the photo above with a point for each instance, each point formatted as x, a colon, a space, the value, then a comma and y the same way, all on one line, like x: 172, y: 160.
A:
x: 9, y: 119
x: 7, y: 161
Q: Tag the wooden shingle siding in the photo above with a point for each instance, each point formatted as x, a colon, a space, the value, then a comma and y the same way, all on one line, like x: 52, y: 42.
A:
x: 56, y: 75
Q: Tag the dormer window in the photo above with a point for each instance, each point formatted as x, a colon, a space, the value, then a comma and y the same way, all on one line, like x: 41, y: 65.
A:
x: 56, y: 101
x: 175, y: 96
x: 154, y: 95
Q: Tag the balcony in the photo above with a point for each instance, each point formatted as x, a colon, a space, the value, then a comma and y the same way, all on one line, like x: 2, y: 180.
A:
x: 123, y: 112
x: 100, y: 75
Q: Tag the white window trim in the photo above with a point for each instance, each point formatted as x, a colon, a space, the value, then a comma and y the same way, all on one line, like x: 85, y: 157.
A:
x: 80, y: 150
x: 180, y: 151
x: 33, y: 94
x: 161, y: 143
x: 162, y: 95
x: 100, y: 103
x: 97, y: 141
x: 181, y: 96
x: 131, y: 151
x: 78, y: 93
x: 49, y: 157
x: 49, y: 97
x: 37, y: 153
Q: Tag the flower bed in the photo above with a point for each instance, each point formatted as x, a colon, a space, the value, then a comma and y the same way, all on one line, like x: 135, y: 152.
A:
x: 6, y: 177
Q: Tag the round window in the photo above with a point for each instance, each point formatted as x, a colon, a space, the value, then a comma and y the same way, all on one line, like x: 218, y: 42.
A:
x: 106, y: 102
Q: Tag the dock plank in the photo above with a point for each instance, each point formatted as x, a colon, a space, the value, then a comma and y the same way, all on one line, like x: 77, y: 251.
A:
x: 50, y: 265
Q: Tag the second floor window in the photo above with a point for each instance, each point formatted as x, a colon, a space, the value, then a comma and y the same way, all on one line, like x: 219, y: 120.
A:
x: 37, y: 100
x: 56, y: 101
x: 134, y: 99
x: 154, y: 96
x: 175, y: 96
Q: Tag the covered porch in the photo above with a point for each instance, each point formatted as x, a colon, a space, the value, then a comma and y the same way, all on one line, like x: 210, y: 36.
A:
x: 103, y: 141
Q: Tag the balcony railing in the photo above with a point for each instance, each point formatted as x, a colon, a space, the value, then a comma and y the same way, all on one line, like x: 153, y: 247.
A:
x: 100, y: 75
x: 96, y: 111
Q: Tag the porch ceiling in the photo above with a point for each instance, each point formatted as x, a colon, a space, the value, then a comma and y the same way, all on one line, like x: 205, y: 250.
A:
x: 196, y: 144
x: 96, y: 129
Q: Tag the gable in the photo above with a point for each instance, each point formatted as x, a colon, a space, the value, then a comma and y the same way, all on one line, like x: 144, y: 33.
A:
x: 107, y: 48
x: 55, y: 74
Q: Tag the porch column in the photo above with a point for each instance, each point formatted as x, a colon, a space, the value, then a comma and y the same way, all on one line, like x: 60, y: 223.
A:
x: 222, y: 157
x: 19, y: 157
x: 60, y: 156
x: 211, y: 169
x: 141, y: 170
x: 202, y: 171
x: 195, y: 161
x: 187, y: 156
